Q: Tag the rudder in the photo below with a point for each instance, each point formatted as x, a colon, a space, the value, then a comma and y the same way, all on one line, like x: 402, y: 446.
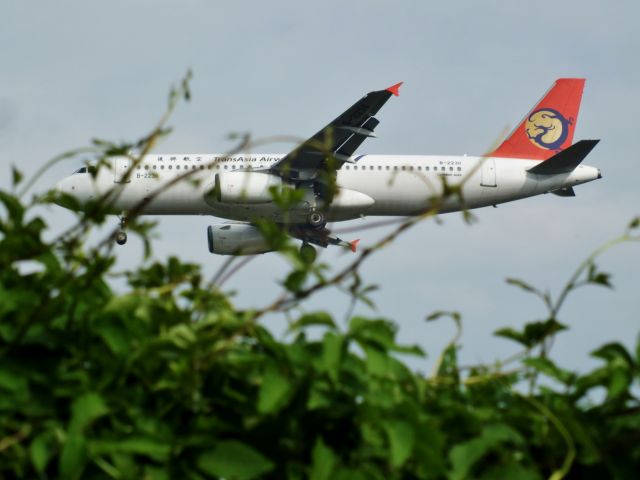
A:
x: 548, y: 128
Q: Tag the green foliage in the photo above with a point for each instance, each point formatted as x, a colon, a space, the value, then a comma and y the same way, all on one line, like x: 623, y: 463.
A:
x: 168, y: 379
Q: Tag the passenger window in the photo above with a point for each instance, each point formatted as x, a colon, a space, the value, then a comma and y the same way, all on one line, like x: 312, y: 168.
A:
x: 403, y: 168
x: 395, y: 167
x: 355, y: 167
x: 379, y: 167
x: 459, y: 169
x: 387, y: 167
x: 177, y: 167
x: 371, y: 167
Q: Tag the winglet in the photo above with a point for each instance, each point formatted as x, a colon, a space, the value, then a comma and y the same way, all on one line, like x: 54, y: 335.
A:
x: 395, y: 89
x: 353, y: 244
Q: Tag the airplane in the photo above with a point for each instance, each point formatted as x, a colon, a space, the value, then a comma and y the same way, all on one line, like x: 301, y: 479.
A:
x: 335, y: 185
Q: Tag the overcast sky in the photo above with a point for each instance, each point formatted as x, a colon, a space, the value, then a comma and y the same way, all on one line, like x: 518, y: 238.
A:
x: 76, y: 70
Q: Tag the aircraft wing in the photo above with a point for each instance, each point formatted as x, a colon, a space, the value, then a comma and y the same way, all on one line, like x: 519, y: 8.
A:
x: 332, y: 146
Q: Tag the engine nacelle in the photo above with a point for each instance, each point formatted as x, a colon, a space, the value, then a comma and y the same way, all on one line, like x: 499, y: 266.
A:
x: 236, y: 239
x: 241, y: 187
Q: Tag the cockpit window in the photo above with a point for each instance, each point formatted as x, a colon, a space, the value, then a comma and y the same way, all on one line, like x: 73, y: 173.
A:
x: 91, y: 169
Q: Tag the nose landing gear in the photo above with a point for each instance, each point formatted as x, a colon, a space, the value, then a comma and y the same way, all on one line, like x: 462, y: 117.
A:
x: 121, y: 235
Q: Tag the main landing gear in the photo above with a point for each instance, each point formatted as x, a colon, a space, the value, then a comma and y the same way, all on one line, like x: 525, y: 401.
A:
x: 316, y: 220
x: 121, y: 235
x: 316, y: 223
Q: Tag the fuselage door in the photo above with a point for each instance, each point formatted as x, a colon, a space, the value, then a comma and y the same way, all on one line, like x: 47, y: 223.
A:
x: 488, y: 173
x: 121, y: 167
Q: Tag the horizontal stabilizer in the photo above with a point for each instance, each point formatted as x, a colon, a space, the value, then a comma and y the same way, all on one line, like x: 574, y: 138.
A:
x: 565, y: 192
x: 567, y: 160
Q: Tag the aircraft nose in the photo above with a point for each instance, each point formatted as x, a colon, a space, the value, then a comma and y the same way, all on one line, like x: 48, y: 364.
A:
x: 63, y: 190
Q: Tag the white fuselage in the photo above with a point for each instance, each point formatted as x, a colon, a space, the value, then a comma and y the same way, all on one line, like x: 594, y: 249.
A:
x: 373, y: 185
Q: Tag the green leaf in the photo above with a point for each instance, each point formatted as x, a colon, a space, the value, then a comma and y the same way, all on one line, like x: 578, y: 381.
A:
x: 619, y: 383
x: 401, y: 441
x: 86, y: 409
x: 465, y: 455
x: 620, y: 367
x: 378, y: 361
x: 598, y: 278
x: 379, y: 333
x: 511, y: 471
x: 16, y: 175
x: 295, y: 280
x: 332, y: 351
x: 547, y: 367
x: 455, y: 316
x: 41, y: 451
x: 612, y: 351
x: 73, y: 457
x: 115, y: 336
x: 235, y: 460
x: 274, y: 390
x: 523, y: 285
x: 511, y: 334
x: 533, y: 333
x: 313, y: 319
x: 13, y: 382
x: 323, y: 461
x: 319, y: 396
x: 138, y: 445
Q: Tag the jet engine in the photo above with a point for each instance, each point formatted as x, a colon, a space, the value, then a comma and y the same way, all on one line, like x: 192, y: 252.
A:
x: 236, y: 239
x: 243, y: 187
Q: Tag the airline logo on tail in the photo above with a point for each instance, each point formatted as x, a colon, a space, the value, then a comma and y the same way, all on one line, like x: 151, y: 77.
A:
x: 547, y: 128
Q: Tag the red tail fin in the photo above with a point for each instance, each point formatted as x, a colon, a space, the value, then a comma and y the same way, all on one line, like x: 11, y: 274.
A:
x: 548, y: 127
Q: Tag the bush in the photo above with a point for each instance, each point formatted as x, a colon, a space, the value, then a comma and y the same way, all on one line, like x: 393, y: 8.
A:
x: 169, y: 380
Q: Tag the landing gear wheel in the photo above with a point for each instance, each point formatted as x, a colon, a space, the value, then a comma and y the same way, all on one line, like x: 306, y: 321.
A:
x: 121, y: 237
x: 308, y: 253
x: 316, y: 220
